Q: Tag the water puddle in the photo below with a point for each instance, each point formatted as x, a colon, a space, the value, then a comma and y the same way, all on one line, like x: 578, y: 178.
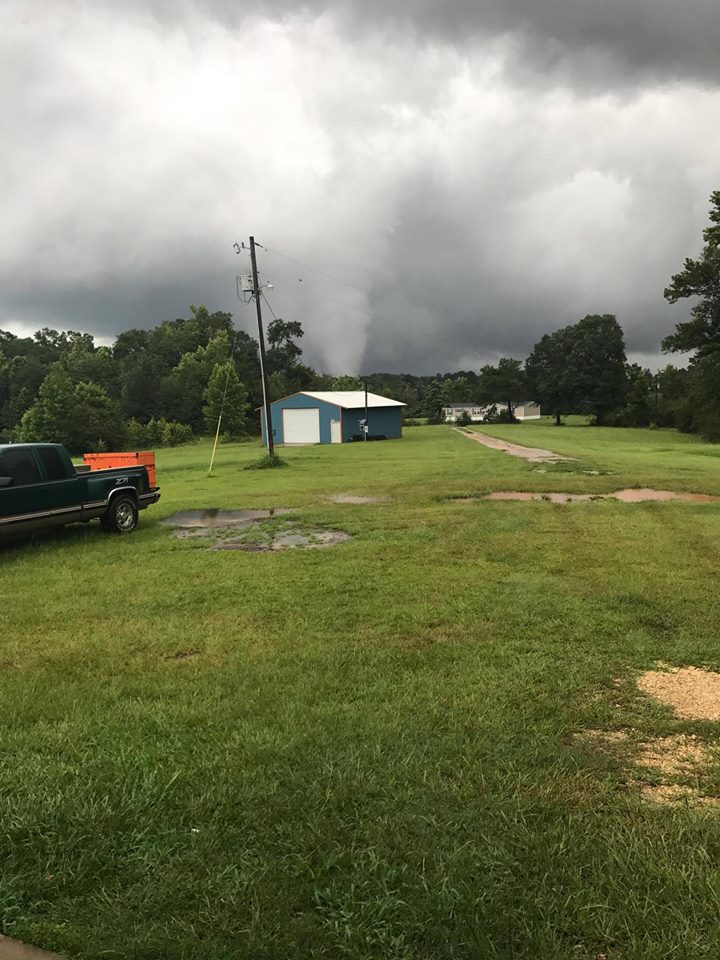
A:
x: 252, y: 531
x: 290, y: 537
x: 632, y: 495
x: 640, y: 495
x: 213, y: 518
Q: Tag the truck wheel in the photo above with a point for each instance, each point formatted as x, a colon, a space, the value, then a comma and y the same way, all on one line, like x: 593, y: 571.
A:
x: 121, y: 516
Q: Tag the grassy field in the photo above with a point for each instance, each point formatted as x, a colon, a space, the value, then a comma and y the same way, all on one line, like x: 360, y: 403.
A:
x: 369, y: 751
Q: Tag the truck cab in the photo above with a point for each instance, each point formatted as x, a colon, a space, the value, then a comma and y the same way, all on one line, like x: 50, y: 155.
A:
x: 40, y: 487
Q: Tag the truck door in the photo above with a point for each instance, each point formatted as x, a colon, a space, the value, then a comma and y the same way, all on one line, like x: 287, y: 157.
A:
x: 23, y: 497
x: 62, y: 492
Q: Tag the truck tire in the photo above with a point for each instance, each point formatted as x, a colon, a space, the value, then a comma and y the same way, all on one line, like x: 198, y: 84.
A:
x: 121, y: 516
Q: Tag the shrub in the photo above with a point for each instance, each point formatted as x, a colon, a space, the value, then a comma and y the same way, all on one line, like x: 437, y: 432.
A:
x: 157, y: 433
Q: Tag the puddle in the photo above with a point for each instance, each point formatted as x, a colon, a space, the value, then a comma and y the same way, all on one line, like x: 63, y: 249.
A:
x: 641, y: 495
x: 534, y: 454
x: 352, y: 498
x: 213, y: 517
x: 291, y: 536
x: 252, y: 531
x: 633, y: 495
x: 692, y: 693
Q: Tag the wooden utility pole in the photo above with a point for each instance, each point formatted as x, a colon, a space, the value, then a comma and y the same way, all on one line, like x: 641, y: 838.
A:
x: 261, y: 340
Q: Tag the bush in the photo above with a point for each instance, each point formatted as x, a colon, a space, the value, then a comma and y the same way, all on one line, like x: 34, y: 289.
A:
x: 709, y: 424
x: 157, y: 433
x: 464, y: 420
x: 175, y: 434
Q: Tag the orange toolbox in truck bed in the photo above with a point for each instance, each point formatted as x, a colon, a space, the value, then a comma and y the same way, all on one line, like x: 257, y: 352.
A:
x: 108, y: 461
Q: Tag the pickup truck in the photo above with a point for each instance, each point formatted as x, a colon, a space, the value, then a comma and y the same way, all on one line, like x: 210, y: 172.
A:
x: 40, y: 487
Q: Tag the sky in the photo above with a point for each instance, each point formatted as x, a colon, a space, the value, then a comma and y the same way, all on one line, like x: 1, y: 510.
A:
x: 435, y: 185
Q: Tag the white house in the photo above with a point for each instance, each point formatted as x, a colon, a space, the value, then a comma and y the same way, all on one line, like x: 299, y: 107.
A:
x: 478, y: 412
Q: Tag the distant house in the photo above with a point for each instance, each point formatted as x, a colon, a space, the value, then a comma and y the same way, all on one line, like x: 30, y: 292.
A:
x: 332, y: 416
x: 455, y: 410
x: 478, y: 411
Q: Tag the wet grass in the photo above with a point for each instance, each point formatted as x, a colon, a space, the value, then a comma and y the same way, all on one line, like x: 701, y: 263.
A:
x: 664, y: 459
x: 369, y: 751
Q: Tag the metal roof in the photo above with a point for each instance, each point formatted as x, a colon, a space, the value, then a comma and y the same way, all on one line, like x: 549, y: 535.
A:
x: 351, y: 399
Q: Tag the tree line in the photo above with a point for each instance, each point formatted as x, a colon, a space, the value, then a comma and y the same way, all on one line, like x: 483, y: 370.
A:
x: 166, y: 385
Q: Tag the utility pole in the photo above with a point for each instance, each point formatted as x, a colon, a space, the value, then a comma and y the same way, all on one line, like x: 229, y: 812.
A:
x: 367, y: 425
x: 261, y: 341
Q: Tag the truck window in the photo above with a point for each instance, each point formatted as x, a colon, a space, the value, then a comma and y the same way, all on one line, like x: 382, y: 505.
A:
x: 20, y: 465
x: 52, y: 463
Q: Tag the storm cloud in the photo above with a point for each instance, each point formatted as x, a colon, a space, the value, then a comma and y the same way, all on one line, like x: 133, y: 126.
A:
x: 435, y: 185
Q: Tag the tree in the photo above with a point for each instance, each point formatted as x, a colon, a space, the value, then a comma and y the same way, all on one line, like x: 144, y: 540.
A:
x: 701, y: 334
x: 183, y: 388
x: 638, y: 407
x: 459, y: 390
x: 347, y: 382
x: 80, y: 416
x: 506, y: 382
x: 699, y: 278
x: 596, y: 374
x: 226, y: 394
x: 433, y: 401
x: 547, y: 370
x: 284, y: 352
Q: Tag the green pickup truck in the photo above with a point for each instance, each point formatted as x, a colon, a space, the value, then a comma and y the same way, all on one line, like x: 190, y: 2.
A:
x: 40, y: 487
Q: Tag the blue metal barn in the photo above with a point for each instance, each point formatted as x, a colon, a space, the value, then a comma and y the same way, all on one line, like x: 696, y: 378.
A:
x: 319, y: 416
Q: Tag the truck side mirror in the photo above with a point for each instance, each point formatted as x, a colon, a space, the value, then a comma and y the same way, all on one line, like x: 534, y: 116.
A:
x: 6, y: 482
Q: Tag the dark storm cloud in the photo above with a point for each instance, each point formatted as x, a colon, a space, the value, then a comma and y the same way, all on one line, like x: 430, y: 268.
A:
x: 662, y: 38
x: 474, y: 174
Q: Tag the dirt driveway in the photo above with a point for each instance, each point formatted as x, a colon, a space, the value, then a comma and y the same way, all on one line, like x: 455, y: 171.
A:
x: 533, y: 454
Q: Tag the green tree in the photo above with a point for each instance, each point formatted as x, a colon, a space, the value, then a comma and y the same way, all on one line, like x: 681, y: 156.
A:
x: 182, y: 390
x: 505, y: 383
x: 459, y: 390
x: 638, y: 406
x: 596, y: 372
x: 701, y: 333
x: 699, y: 278
x: 226, y: 394
x: 547, y: 370
x: 347, y: 382
x: 433, y: 401
x: 283, y: 350
x: 80, y: 416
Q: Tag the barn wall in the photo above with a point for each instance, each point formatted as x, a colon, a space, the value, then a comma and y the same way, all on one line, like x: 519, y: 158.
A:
x: 328, y: 412
x: 387, y: 420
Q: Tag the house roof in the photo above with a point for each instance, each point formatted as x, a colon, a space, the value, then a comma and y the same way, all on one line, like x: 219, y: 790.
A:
x: 457, y: 406
x: 351, y: 399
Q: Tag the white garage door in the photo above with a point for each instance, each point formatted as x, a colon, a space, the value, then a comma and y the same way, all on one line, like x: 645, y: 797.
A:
x: 301, y: 426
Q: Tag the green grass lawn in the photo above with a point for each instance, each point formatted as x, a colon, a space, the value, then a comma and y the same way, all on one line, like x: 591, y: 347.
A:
x: 369, y: 751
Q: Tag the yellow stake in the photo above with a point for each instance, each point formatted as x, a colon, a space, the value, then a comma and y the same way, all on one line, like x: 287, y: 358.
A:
x: 217, y: 434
